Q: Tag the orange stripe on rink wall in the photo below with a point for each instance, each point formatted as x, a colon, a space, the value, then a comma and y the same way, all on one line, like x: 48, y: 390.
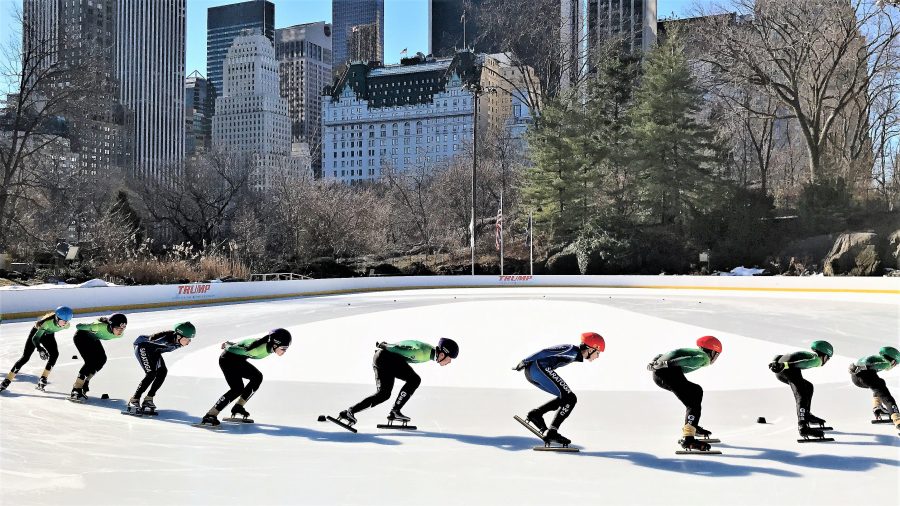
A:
x: 518, y: 281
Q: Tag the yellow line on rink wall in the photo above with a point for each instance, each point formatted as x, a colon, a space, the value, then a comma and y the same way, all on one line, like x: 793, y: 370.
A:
x: 226, y: 300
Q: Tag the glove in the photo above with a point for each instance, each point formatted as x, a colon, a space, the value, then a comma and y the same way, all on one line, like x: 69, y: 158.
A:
x: 777, y: 367
x: 855, y: 369
x: 227, y: 344
x: 45, y: 355
x: 655, y: 365
x: 519, y: 366
x: 382, y: 345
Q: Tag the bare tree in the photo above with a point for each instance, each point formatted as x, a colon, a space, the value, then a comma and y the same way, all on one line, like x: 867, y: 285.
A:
x: 47, y: 92
x: 817, y: 58
x: 200, y: 200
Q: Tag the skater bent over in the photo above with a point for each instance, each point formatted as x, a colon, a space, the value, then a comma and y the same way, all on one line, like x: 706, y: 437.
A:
x: 148, y: 350
x: 87, y: 340
x: 668, y: 373
x: 41, y: 338
x: 540, y: 371
x: 392, y: 361
x: 234, y: 364
x: 787, y: 369
x: 864, y: 374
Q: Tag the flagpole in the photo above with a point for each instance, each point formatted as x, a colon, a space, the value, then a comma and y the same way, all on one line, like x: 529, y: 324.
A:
x: 501, y: 233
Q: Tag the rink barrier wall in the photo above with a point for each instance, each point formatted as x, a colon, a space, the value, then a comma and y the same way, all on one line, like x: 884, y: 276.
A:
x: 28, y: 303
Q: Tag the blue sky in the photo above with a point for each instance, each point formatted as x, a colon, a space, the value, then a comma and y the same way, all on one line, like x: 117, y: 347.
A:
x: 406, y: 23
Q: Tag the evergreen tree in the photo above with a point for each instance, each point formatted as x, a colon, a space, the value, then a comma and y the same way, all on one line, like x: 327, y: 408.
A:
x: 671, y: 150
x: 554, y: 185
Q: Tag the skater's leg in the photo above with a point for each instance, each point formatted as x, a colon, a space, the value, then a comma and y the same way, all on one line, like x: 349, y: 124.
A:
x: 26, y: 356
x: 255, y: 379
x: 147, y: 361
x: 49, y: 344
x: 803, y: 391
x: 549, y: 381
x: 384, y: 381
x: 161, y: 372
x: 231, y: 368
x: 404, y: 372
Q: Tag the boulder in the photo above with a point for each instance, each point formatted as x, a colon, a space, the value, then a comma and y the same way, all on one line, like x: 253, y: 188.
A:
x: 564, y: 262
x: 854, y: 254
x: 891, y: 257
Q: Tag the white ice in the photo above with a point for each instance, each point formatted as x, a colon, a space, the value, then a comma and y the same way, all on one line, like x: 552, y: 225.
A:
x: 468, y: 449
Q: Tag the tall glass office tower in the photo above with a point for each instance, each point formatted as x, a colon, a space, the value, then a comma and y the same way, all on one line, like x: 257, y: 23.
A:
x: 224, y: 24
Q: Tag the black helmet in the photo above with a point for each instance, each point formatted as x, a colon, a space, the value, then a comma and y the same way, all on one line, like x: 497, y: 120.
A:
x: 279, y: 337
x: 448, y: 347
x: 117, y: 320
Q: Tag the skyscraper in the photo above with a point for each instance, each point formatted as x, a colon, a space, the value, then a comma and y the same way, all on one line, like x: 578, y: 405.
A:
x: 226, y: 22
x: 251, y: 116
x: 633, y: 20
x: 150, y: 69
x: 304, y: 67
x: 198, y: 110
x: 346, y: 14
x: 80, y: 36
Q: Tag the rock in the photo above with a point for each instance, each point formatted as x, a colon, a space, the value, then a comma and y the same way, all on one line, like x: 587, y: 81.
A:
x: 564, y: 262
x: 854, y: 254
x: 891, y: 255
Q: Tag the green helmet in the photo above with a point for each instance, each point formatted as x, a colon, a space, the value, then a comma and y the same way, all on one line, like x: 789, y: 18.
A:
x: 823, y: 347
x: 185, y: 329
x: 890, y: 353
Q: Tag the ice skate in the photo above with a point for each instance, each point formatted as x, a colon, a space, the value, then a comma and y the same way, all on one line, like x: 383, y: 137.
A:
x: 537, y: 419
x: 690, y: 443
x: 239, y: 414
x: 4, y: 385
x: 811, y: 435
x: 77, y: 395
x: 133, y: 407
x: 394, y: 417
x: 148, y: 406
x: 209, y: 420
x: 41, y: 384
x: 553, y: 436
x: 348, y: 416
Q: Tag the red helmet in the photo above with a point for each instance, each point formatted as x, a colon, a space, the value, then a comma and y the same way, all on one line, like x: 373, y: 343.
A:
x: 710, y: 343
x: 594, y: 340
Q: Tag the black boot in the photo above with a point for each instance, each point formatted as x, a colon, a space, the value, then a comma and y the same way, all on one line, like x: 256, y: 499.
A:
x: 553, y: 436
x: 4, y: 385
x: 347, y: 415
x: 807, y: 432
x: 537, y: 419
x: 702, y: 432
x: 396, y: 416
x: 210, y: 420
x: 814, y: 420
x: 690, y: 443
x: 238, y: 410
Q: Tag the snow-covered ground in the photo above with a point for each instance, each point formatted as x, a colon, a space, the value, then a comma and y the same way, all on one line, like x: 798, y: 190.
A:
x: 468, y: 450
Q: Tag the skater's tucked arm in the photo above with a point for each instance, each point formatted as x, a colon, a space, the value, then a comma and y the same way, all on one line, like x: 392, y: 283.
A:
x: 553, y: 357
x: 43, y: 328
x: 801, y: 360
x: 100, y: 329
x: 414, y: 352
x: 688, y: 359
x: 252, y: 348
x: 873, y: 363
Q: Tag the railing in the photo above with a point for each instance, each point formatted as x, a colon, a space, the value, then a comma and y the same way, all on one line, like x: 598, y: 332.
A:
x: 277, y: 276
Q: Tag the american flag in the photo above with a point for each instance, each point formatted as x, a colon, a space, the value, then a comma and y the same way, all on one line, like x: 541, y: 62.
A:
x: 498, y: 235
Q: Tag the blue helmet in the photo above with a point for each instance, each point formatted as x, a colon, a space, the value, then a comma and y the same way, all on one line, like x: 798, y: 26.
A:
x: 64, y: 313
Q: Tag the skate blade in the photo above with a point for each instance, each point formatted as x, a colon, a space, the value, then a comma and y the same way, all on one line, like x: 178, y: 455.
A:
x: 340, y: 423
x: 208, y: 426
x: 394, y: 426
x: 711, y: 440
x: 564, y: 449
x: 816, y: 440
x: 882, y: 420
x: 237, y: 420
x: 528, y: 426
x: 697, y: 452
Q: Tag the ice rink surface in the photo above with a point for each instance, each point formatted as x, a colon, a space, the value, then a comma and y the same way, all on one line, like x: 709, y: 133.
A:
x: 468, y: 449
